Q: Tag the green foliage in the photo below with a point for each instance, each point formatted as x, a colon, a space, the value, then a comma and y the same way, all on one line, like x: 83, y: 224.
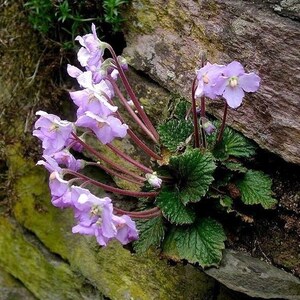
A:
x: 173, y: 209
x: 175, y: 133
x: 112, y: 13
x: 255, y: 188
x: 70, y: 18
x: 235, y: 166
x: 214, y: 174
x: 193, y: 172
x: 41, y: 14
x: 151, y: 233
x: 233, y: 144
x: 201, y: 243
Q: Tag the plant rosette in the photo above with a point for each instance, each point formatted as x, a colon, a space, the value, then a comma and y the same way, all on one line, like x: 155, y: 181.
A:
x: 182, y: 193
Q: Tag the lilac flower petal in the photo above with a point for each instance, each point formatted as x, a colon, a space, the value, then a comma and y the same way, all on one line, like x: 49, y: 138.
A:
x: 50, y: 164
x: 87, y: 230
x: 86, y: 79
x: 73, y: 71
x: 234, y: 69
x: 83, y: 56
x: 249, y: 82
x: 127, y: 231
x: 234, y: 96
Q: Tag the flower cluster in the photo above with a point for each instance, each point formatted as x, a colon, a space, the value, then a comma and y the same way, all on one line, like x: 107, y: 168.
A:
x: 99, y: 116
x: 229, y: 81
x: 96, y: 115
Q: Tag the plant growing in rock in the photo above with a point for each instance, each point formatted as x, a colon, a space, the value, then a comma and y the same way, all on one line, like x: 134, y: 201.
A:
x: 196, y: 172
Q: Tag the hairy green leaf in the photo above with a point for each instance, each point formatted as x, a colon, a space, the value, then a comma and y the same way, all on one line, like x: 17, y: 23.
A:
x: 151, y: 233
x: 255, y: 188
x: 174, y: 133
x: 233, y: 144
x: 193, y: 172
x: 201, y: 243
x: 235, y: 166
x: 173, y: 209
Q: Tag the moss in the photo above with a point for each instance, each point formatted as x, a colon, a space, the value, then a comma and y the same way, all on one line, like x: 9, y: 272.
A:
x: 47, y: 278
x: 113, y: 270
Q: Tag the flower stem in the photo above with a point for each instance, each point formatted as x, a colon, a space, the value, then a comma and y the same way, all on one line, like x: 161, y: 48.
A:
x: 129, y: 159
x: 220, y: 135
x: 112, y: 189
x: 138, y: 141
x: 146, y: 214
x: 105, y: 159
x: 132, y: 96
x: 131, y: 111
x: 114, y: 173
x: 194, y: 112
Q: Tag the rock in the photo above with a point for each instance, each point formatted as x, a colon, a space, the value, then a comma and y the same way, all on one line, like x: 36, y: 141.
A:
x: 164, y: 39
x: 255, y: 278
x: 11, y: 289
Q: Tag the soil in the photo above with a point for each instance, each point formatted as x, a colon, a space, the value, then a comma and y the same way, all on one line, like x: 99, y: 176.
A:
x: 274, y: 236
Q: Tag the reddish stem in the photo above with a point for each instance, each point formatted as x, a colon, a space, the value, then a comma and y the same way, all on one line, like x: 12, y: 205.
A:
x: 195, y: 119
x: 133, y: 97
x: 129, y: 159
x: 131, y: 111
x: 109, y: 188
x: 105, y: 159
x: 223, y: 123
x: 138, y: 142
x: 147, y: 214
x: 114, y: 173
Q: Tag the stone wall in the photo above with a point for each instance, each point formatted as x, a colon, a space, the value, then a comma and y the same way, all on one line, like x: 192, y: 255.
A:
x: 165, y: 39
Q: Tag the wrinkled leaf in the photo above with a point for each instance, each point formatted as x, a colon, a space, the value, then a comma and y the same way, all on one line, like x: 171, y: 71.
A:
x: 255, y: 188
x: 200, y: 243
x: 233, y: 144
x: 174, y: 133
x: 151, y: 233
x: 193, y: 172
x: 173, y: 209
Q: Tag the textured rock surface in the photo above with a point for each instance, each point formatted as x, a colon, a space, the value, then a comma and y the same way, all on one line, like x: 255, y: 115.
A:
x: 165, y: 38
x: 10, y: 288
x: 255, y: 278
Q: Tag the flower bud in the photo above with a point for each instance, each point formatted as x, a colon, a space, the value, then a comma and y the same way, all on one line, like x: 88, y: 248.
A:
x: 153, y: 180
x: 208, y: 126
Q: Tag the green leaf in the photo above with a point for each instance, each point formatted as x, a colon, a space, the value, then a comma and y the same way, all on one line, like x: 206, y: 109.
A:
x: 193, y: 172
x: 255, y: 188
x: 201, y: 243
x: 175, y: 133
x: 226, y: 201
x: 233, y: 144
x: 235, y: 166
x: 169, y: 247
x: 151, y: 233
x: 173, y: 209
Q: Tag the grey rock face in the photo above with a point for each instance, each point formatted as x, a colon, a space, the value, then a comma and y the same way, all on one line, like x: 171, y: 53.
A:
x: 165, y: 39
x: 255, y: 278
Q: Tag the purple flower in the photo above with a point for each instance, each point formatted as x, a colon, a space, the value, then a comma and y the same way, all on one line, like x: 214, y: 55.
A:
x: 105, y: 128
x: 234, y: 82
x: 66, y: 158
x: 95, y: 215
x: 73, y: 71
x: 207, y: 77
x: 95, y: 100
x: 52, y: 131
x: 126, y: 229
x: 60, y: 191
x: 50, y: 164
x: 92, y: 49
